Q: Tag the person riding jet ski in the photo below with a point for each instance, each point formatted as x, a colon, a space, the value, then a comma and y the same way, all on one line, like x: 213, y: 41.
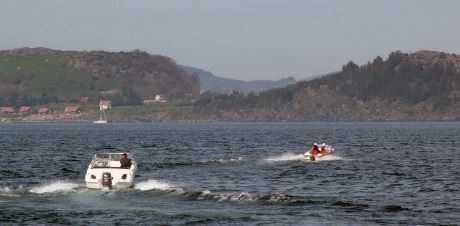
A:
x: 314, y: 150
x: 323, y: 149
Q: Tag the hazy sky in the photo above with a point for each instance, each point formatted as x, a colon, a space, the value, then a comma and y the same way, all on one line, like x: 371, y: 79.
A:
x: 242, y: 39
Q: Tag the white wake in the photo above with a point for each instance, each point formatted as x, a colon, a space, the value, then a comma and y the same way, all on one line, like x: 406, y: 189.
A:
x: 56, y: 186
x: 7, y: 191
x: 293, y: 157
x: 285, y: 157
x: 331, y: 157
x: 155, y: 184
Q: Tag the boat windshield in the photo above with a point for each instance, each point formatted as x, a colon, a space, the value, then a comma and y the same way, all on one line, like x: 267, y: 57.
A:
x: 109, y: 156
x: 107, y: 160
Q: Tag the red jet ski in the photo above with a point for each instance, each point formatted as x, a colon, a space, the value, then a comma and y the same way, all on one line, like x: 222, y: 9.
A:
x: 318, y: 151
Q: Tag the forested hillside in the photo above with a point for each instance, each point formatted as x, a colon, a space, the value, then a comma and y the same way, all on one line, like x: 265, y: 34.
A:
x: 30, y: 76
x: 424, y: 85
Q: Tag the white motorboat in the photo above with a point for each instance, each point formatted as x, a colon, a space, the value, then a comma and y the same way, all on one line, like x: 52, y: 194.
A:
x: 100, y: 121
x: 105, y: 170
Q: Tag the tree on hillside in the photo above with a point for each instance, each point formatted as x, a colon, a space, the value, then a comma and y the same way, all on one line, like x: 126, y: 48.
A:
x: 395, y: 58
x: 350, y: 66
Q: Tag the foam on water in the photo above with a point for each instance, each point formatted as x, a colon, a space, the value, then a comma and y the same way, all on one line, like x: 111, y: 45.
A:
x: 331, y: 157
x: 293, y: 157
x: 231, y: 160
x: 245, y: 196
x: 12, y: 191
x: 7, y: 191
x: 155, y: 184
x: 56, y: 186
x: 285, y: 157
x: 208, y: 195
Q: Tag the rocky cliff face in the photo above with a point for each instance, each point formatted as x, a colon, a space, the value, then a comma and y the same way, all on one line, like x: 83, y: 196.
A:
x: 427, y: 57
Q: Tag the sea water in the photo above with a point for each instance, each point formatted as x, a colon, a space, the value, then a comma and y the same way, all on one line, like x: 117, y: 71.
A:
x: 234, y: 174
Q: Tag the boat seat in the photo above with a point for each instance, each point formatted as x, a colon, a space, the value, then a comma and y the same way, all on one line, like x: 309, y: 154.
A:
x: 115, y: 164
x: 100, y: 164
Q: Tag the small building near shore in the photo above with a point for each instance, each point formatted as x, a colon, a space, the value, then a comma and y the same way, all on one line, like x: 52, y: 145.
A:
x: 7, y: 110
x: 44, y: 111
x: 105, y: 104
x: 25, y: 110
x: 72, y: 110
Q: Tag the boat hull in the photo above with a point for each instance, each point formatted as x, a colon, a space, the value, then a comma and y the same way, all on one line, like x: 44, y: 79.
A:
x: 108, y: 173
x: 120, y: 178
x: 311, y: 157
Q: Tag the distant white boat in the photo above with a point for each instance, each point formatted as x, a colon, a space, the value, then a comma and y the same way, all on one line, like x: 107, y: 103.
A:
x: 103, y: 118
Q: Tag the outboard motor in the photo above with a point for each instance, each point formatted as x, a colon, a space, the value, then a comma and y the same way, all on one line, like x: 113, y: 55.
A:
x: 107, y: 180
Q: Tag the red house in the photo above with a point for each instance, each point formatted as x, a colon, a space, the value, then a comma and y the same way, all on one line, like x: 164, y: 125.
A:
x: 7, y: 110
x: 44, y: 111
x: 72, y: 110
x: 25, y: 109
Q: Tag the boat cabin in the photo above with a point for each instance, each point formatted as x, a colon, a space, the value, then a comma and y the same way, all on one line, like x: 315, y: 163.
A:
x: 108, y: 160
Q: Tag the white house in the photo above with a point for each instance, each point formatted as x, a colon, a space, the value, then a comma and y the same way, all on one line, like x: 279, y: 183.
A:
x: 105, y: 104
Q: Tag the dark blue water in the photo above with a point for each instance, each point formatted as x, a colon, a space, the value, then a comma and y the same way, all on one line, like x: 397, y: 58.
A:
x: 234, y: 174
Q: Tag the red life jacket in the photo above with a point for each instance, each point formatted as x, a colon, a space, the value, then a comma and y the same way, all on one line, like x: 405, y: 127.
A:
x: 314, y: 151
x: 323, y: 150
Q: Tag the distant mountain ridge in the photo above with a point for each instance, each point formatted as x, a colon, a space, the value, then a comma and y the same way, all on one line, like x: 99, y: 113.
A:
x: 211, y: 82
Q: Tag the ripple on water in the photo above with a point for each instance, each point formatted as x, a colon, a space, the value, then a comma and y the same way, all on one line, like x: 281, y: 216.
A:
x: 235, y: 173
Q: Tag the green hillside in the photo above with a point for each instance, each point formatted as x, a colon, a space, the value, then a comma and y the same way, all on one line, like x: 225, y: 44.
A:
x: 424, y: 85
x: 40, y: 76
x: 420, y: 86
